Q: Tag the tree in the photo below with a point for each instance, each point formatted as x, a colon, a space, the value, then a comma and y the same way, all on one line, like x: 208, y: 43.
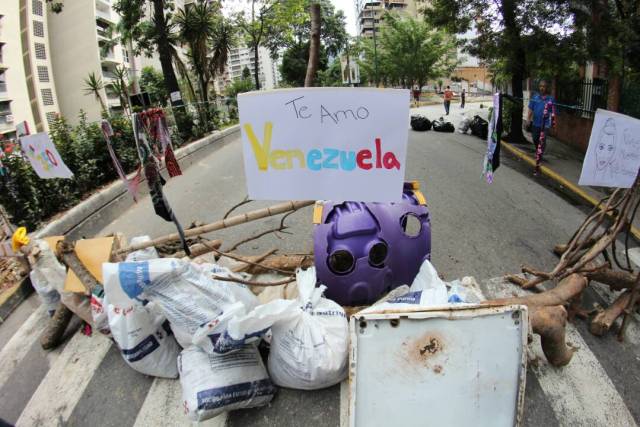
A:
x: 246, y: 73
x: 314, y: 44
x: 294, y: 63
x: 332, y: 76
x: 93, y: 85
x: 147, y: 35
x: 152, y: 82
x: 508, y: 32
x: 121, y: 86
x: 410, y: 52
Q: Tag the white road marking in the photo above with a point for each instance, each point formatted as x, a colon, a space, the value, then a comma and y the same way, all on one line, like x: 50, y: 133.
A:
x: 21, y: 341
x: 580, y: 393
x: 63, y: 386
x: 163, y: 407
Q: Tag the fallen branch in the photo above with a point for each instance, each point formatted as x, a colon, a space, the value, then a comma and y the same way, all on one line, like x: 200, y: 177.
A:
x: 566, y: 290
x: 224, y: 223
x: 550, y: 323
x: 283, y: 262
x: 280, y: 228
x: 253, y: 283
x: 603, y: 321
x: 198, y: 249
x: 67, y: 254
x: 616, y: 280
x: 244, y: 201
x: 56, y: 327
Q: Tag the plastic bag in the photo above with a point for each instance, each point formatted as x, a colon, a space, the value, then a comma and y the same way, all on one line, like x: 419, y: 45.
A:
x: 464, y: 125
x: 143, y: 335
x: 196, y: 305
x: 420, y: 123
x: 47, y: 276
x: 441, y: 125
x: 309, y: 336
x: 212, y: 384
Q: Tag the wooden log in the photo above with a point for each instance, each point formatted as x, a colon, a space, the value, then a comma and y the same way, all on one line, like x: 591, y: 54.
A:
x: 68, y: 255
x: 54, y: 332
x: 568, y: 288
x: 225, y: 223
x: 603, y: 321
x: 550, y: 323
x: 616, y: 280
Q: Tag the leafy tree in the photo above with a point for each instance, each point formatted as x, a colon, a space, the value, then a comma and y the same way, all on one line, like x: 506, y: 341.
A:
x: 152, y: 82
x: 332, y: 75
x: 294, y: 63
x: 410, y: 52
x: 239, y: 86
x: 267, y: 23
x: 246, y: 73
x: 513, y: 36
x: 93, y: 85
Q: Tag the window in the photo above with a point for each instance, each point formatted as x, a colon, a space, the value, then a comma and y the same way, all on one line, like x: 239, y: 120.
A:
x: 51, y: 117
x: 43, y: 74
x: 36, y: 5
x: 41, y: 53
x: 125, y: 55
x: 47, y: 96
x: 38, y: 29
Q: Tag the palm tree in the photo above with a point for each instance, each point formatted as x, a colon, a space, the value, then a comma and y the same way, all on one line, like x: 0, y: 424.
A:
x: 223, y: 40
x: 120, y: 85
x: 92, y: 86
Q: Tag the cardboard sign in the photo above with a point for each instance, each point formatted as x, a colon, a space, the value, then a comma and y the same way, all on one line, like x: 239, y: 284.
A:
x: 613, y: 156
x: 44, y: 157
x: 325, y: 143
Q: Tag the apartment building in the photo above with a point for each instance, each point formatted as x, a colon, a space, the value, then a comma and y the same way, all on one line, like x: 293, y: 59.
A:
x: 27, y: 87
x: 371, y: 13
x: 77, y: 36
x: 241, y: 57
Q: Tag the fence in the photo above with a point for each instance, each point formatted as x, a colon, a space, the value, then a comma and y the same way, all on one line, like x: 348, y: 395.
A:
x: 582, y: 98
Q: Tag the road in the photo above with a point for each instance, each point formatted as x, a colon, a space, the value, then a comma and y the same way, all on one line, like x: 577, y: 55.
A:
x: 477, y: 229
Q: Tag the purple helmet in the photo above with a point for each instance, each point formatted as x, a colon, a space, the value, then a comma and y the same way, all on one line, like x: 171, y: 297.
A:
x: 363, y: 250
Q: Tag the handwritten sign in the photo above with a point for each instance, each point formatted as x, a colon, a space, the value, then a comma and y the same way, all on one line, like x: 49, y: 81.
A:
x: 44, y: 157
x: 613, y: 156
x: 325, y: 143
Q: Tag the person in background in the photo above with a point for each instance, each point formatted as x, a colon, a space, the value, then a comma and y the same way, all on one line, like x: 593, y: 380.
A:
x: 463, y: 97
x: 540, y: 122
x: 448, y: 96
x: 416, y: 95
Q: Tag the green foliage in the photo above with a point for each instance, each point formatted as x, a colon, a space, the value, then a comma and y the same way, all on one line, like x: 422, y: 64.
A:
x: 239, y: 86
x: 246, y: 73
x: 294, y: 63
x: 93, y: 85
x: 332, y: 76
x: 409, y: 51
x: 30, y: 200
x: 152, y: 82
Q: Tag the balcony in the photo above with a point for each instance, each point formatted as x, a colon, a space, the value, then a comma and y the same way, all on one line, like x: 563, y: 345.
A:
x: 105, y: 15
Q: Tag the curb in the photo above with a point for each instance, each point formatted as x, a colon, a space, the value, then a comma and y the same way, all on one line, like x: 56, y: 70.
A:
x: 559, y: 179
x: 91, y: 215
x: 11, y: 299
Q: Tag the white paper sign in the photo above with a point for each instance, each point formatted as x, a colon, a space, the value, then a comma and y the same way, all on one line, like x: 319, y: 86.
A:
x: 176, y: 96
x: 44, y: 157
x: 325, y: 143
x: 613, y: 156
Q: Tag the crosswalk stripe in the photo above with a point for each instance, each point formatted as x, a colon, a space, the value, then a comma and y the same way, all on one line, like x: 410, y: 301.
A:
x: 21, y: 341
x: 63, y: 386
x: 580, y: 393
x: 163, y: 407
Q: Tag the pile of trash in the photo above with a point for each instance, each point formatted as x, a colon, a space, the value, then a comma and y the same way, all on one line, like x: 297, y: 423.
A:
x: 175, y: 318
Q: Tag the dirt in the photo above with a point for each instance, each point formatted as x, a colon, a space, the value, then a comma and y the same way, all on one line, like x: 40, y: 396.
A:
x: 11, y: 273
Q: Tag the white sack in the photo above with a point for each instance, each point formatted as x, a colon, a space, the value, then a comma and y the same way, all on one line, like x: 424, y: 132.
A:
x: 212, y: 384
x: 47, y: 276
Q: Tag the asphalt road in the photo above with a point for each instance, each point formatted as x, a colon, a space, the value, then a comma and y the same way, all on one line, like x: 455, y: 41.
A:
x: 478, y: 229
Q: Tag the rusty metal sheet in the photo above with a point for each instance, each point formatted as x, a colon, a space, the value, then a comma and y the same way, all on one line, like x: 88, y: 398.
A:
x: 442, y: 367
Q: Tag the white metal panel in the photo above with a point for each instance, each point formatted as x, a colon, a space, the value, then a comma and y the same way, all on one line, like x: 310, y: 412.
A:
x: 445, y: 367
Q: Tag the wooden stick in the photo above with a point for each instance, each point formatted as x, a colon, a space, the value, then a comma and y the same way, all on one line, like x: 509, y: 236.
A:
x: 285, y: 262
x: 225, y: 223
x: 252, y: 283
x: 603, y: 321
x: 51, y: 336
x: 70, y: 259
x: 567, y: 289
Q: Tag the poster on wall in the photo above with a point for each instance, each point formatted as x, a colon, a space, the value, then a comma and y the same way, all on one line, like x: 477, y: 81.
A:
x: 43, y: 156
x: 613, y: 155
x: 325, y: 143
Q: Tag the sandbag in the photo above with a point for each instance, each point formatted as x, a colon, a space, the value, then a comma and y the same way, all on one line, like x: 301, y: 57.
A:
x: 441, y: 125
x: 197, y: 306
x: 47, y: 276
x: 420, y: 123
x: 142, y: 333
x: 479, y: 127
x: 309, y: 336
x: 212, y: 384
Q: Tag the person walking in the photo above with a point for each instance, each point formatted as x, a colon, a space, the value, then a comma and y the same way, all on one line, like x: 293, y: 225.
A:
x: 463, y: 97
x: 541, y: 117
x: 448, y: 96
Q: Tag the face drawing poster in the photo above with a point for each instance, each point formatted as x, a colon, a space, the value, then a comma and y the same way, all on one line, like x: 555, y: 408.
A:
x: 613, y: 156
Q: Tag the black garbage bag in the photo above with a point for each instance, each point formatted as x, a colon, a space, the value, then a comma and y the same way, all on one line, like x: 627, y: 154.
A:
x: 441, y: 125
x: 479, y: 127
x: 420, y: 123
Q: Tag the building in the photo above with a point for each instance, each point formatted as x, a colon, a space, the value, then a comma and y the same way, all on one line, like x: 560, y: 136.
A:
x: 371, y: 13
x: 77, y: 36
x: 243, y: 57
x: 27, y: 87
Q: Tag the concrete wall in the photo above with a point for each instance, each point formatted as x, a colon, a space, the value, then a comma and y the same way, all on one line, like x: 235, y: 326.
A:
x: 574, y: 130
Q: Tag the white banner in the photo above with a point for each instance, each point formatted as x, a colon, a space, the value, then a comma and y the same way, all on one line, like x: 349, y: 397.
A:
x: 613, y: 156
x: 325, y: 143
x: 44, y: 157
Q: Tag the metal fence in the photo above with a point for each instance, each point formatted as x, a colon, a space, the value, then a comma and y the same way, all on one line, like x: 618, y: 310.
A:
x: 582, y: 98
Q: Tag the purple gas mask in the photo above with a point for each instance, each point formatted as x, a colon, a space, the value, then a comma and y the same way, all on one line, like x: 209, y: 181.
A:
x: 363, y: 250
